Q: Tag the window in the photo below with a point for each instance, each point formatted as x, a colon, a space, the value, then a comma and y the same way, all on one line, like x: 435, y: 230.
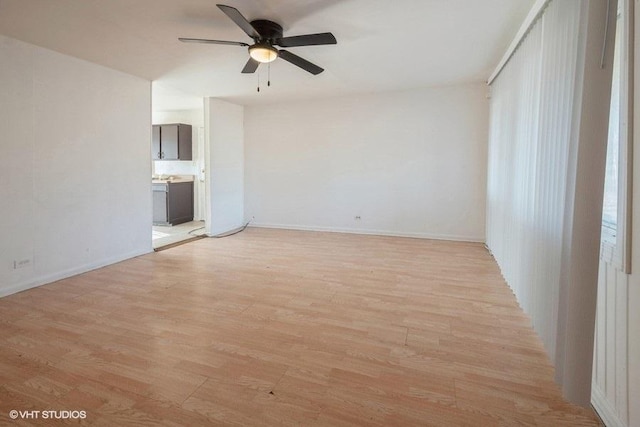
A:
x: 615, y: 215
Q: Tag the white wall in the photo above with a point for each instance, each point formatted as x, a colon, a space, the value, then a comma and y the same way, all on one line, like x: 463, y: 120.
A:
x: 224, y: 147
x: 407, y: 163
x: 195, y: 118
x: 74, y: 165
x: 633, y: 305
x: 610, y: 389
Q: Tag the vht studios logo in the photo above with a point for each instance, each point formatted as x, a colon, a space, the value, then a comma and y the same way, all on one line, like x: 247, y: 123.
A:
x: 47, y: 415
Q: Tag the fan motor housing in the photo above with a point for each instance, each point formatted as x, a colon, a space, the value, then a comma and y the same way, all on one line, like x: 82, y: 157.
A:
x: 268, y: 30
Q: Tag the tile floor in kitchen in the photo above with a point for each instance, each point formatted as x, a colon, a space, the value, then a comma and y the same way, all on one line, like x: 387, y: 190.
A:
x: 168, y: 235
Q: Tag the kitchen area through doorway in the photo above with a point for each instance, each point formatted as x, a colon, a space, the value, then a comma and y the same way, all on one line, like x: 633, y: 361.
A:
x: 177, y: 180
x: 173, y: 211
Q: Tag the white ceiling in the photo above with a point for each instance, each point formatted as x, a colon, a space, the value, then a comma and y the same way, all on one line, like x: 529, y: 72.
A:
x: 382, y: 44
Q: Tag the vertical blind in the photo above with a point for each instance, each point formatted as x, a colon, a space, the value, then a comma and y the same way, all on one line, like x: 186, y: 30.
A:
x: 530, y: 144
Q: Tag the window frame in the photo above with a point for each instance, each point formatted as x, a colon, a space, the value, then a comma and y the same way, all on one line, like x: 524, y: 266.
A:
x: 616, y: 244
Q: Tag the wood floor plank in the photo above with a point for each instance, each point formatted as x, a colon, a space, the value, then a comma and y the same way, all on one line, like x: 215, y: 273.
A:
x: 274, y: 327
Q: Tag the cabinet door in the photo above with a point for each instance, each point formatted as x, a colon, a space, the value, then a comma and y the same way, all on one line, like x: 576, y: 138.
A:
x: 160, y: 208
x: 180, y: 203
x: 184, y: 139
x: 155, y: 142
x: 169, y: 142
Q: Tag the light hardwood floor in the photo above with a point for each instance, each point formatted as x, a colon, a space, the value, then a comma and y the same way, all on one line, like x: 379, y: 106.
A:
x: 273, y: 327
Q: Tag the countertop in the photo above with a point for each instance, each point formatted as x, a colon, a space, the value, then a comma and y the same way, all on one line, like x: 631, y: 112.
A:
x: 171, y: 179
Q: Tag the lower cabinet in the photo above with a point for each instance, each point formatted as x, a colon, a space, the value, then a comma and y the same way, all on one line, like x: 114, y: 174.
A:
x: 172, y: 203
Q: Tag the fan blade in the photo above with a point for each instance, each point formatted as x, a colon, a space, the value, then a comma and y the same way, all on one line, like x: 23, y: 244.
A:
x: 251, y: 66
x: 300, y: 62
x: 240, y: 20
x: 186, y: 40
x: 307, y: 40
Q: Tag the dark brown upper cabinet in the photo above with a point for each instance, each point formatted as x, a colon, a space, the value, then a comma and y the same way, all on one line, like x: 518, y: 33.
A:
x: 171, y: 142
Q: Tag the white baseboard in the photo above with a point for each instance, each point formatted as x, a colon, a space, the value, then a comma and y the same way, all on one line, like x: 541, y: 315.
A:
x: 475, y: 239
x: 605, y: 408
x: 54, y: 277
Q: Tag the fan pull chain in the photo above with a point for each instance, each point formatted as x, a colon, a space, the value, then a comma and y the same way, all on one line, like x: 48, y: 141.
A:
x: 258, y: 81
x: 269, y: 74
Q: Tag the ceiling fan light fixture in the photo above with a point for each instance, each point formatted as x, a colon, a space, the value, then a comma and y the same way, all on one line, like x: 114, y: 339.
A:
x: 265, y: 35
x: 263, y: 52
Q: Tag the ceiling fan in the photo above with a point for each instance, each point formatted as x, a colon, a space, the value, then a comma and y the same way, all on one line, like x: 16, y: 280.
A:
x: 267, y: 34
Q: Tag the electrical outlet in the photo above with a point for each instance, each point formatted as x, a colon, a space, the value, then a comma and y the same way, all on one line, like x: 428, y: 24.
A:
x: 22, y: 263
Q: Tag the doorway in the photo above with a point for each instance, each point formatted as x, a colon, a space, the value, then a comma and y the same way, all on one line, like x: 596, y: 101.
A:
x: 170, y: 176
